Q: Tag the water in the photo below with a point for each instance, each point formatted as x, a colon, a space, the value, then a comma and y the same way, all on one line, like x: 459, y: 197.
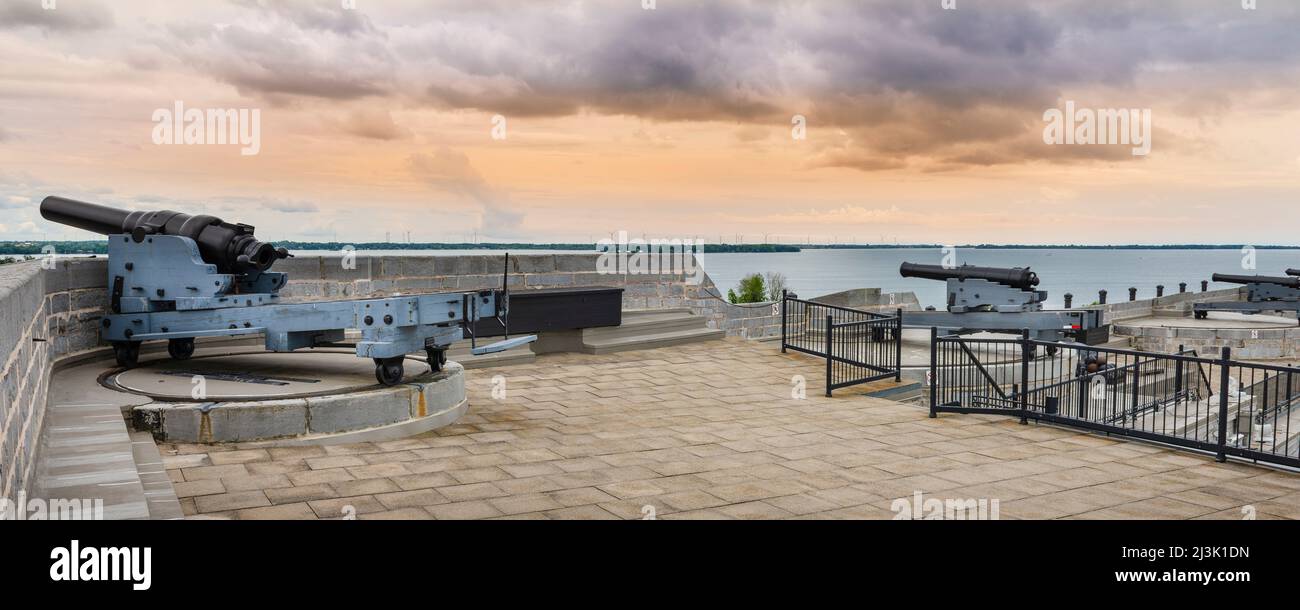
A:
x: 1081, y: 272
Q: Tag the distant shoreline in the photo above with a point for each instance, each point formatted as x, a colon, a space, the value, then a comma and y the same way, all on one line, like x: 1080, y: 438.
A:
x: 18, y: 248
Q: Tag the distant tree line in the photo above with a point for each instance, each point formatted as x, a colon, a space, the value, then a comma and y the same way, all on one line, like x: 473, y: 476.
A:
x: 101, y: 246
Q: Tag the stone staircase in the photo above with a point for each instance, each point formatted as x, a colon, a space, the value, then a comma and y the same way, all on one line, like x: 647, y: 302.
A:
x: 649, y: 329
x: 89, y: 453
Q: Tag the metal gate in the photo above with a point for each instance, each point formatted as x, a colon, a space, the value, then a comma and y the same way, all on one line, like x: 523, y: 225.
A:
x: 859, y: 346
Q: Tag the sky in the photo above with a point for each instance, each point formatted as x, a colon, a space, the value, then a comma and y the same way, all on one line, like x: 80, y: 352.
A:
x: 890, y: 121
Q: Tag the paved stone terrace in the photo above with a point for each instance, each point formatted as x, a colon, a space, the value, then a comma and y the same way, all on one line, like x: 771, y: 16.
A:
x: 710, y: 431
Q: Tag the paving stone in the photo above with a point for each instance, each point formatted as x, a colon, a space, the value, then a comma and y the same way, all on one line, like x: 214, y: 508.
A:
x: 204, y: 487
x: 405, y: 499
x: 230, y: 501
x: 424, y: 480
x: 295, y: 511
x: 362, y: 487
x: 286, y: 495
x: 473, y: 491
x: 702, y: 431
x: 473, y: 509
x: 342, y: 508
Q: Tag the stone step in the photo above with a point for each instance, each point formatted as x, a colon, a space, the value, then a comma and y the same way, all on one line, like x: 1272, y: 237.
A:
x: 87, y: 455
x: 636, y: 323
x: 651, y: 340
x: 158, y: 491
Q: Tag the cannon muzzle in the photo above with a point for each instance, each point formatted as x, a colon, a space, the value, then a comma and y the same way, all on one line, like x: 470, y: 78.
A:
x: 1293, y: 271
x: 231, y: 247
x: 1016, y: 277
x: 1289, y: 282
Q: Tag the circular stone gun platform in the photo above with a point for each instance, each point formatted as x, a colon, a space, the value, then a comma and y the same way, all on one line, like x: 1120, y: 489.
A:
x: 322, y: 396
x: 1251, y: 337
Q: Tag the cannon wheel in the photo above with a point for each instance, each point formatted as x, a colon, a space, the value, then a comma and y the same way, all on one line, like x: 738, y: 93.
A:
x: 1201, y: 315
x: 388, y: 371
x: 1051, y: 351
x: 127, y: 353
x: 180, y: 349
x: 437, y: 358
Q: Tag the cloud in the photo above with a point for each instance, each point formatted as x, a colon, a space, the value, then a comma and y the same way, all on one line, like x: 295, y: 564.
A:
x: 450, y: 171
x: 913, y: 85
x: 910, y: 86
x: 66, y: 16
x: 374, y: 125
x: 284, y: 206
x: 292, y: 49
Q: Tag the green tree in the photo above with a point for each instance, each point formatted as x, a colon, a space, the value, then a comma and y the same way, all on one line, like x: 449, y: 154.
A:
x: 751, y: 289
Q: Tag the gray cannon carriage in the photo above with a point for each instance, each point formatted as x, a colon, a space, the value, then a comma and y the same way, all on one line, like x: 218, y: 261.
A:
x: 1263, y: 294
x: 1001, y: 300
x: 177, y: 277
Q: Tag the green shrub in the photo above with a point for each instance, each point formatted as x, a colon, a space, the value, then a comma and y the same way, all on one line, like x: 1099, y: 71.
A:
x: 750, y: 290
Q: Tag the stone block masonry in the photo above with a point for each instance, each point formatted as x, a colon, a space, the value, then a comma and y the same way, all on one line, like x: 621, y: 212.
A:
x: 25, y: 369
x: 333, y: 276
x: 44, y: 314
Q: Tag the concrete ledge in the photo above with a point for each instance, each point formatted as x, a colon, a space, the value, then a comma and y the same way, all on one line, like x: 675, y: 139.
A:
x: 425, y: 403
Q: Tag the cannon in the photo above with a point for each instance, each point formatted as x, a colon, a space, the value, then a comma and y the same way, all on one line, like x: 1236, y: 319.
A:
x: 231, y: 247
x: 178, y: 277
x: 1286, y: 282
x: 995, y: 299
x: 1015, y: 277
x: 1264, y: 293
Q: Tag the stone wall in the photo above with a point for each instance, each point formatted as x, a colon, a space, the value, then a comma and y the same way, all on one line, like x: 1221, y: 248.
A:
x: 1117, y: 312
x: 1246, y: 344
x: 43, y: 315
x: 336, y: 276
x: 24, y: 374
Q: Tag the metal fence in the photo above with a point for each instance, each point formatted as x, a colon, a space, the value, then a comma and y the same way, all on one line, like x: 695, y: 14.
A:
x: 859, y: 346
x: 1219, y: 405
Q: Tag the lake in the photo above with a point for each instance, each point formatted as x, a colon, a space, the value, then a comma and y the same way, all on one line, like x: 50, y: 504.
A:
x: 1082, y: 272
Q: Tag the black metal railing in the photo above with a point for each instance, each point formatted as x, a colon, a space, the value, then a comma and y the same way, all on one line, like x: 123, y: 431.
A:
x: 859, y: 346
x: 1223, y: 406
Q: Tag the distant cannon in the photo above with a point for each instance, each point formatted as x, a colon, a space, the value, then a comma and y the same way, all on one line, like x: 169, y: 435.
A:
x: 996, y: 299
x: 1015, y: 277
x: 1263, y: 293
x: 1289, y: 282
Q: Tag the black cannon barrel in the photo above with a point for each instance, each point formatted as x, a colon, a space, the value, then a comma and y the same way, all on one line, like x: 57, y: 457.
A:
x: 1293, y: 271
x: 231, y: 247
x: 1016, y: 277
x: 1289, y: 282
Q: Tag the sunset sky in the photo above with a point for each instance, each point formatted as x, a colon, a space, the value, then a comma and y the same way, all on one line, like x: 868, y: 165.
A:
x: 924, y: 125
